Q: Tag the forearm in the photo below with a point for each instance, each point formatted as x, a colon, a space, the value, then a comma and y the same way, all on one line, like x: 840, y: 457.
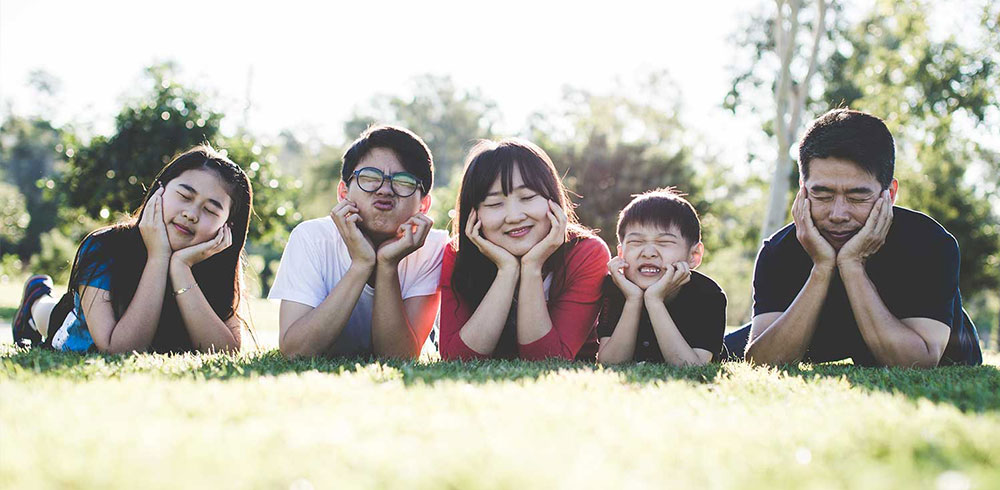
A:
x: 533, y: 321
x: 620, y: 347
x: 787, y: 338
x: 207, y: 330
x: 890, y: 340
x: 314, y: 332
x: 482, y: 332
x: 674, y: 348
x: 392, y: 334
x: 137, y: 327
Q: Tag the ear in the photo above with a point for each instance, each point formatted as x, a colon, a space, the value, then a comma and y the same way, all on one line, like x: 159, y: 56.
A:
x: 341, y: 191
x: 425, y: 204
x: 697, y: 253
x: 893, y: 190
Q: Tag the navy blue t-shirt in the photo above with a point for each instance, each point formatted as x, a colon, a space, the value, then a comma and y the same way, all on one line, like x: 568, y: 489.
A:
x: 915, y: 273
x: 698, y: 310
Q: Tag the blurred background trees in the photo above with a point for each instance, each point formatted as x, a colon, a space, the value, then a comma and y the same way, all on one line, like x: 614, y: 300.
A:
x: 938, y: 94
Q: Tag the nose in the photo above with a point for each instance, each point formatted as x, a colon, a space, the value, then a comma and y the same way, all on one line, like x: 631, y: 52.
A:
x: 649, y: 252
x: 514, y: 212
x: 385, y: 189
x: 190, y: 215
x: 839, y: 211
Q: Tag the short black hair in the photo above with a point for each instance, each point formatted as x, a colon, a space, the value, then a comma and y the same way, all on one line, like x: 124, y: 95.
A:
x: 850, y: 135
x: 408, y: 147
x: 662, y: 208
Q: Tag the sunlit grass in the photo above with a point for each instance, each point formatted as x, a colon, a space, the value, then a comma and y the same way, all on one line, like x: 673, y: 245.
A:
x: 257, y: 420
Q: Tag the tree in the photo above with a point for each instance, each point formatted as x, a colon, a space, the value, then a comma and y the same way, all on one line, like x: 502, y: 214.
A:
x: 448, y: 119
x: 796, y: 54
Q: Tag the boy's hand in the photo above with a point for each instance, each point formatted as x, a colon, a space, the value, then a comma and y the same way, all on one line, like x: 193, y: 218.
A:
x: 346, y: 218
x: 666, y: 288
x: 628, y: 288
x: 409, y: 237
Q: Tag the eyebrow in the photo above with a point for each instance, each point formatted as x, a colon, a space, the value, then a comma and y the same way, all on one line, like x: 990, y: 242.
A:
x: 659, y: 235
x: 853, y: 190
x: 497, y: 193
x: 210, y: 201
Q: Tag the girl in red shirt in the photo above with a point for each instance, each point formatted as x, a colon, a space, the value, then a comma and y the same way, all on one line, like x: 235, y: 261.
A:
x: 521, y: 278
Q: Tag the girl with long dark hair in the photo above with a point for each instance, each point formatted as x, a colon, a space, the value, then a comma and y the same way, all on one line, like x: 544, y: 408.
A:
x: 521, y: 278
x: 168, y: 279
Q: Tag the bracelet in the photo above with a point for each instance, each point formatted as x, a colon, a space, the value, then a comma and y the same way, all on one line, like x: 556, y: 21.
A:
x: 181, y: 291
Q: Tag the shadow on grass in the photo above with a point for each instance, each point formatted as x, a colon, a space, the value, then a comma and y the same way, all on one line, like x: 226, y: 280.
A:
x: 20, y: 364
x: 968, y: 388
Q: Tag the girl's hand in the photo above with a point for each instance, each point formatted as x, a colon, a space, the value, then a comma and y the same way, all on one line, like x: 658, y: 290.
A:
x: 666, y: 288
x: 152, y: 227
x: 555, y: 238
x: 628, y: 288
x: 346, y: 217
x: 194, y: 254
x: 497, y: 254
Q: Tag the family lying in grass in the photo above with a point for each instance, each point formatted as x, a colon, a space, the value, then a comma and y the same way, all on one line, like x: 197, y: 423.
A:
x: 520, y: 278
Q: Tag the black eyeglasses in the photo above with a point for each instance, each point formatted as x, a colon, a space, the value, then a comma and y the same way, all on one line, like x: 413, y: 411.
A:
x: 403, y: 184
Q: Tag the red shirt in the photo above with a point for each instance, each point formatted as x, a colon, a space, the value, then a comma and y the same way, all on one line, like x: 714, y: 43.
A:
x: 573, y: 312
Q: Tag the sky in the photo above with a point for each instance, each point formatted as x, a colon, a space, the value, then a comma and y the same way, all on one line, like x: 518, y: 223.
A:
x: 313, y: 63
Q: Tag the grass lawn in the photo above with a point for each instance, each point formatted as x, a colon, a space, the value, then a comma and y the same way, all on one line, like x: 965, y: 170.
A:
x: 258, y: 421
x: 255, y: 420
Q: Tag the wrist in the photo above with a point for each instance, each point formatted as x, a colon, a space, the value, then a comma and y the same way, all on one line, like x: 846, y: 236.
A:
x: 509, y: 271
x: 823, y: 270
x: 363, y: 264
x: 652, y: 298
x: 850, y: 267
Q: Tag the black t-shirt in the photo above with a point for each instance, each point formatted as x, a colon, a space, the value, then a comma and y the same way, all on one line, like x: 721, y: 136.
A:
x: 698, y: 310
x: 915, y: 273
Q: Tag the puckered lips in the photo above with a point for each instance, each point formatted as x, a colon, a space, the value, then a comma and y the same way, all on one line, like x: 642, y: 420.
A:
x: 183, y: 230
x: 648, y: 269
x: 518, y: 232
x: 382, y: 204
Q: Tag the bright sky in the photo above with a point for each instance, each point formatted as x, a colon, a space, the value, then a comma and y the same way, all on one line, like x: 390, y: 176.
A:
x: 314, y: 62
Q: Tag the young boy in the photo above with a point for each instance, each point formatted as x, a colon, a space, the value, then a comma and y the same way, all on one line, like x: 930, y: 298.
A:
x: 656, y: 307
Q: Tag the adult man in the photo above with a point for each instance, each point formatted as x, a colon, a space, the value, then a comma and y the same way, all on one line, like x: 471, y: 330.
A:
x: 363, y: 281
x: 854, y: 276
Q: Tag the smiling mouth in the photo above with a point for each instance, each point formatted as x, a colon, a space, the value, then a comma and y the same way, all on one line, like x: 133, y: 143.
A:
x: 519, y: 232
x: 383, y: 205
x: 649, y: 270
x: 183, y: 229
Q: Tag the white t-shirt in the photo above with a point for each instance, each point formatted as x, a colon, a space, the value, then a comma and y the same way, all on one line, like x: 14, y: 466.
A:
x: 315, y: 260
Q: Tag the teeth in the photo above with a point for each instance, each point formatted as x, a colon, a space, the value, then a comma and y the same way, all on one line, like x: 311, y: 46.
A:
x: 649, y: 270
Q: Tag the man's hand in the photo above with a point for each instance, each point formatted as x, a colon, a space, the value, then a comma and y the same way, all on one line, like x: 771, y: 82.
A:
x: 628, y: 288
x: 820, y: 250
x: 666, y: 288
x: 409, y: 237
x: 346, y: 218
x: 871, y: 237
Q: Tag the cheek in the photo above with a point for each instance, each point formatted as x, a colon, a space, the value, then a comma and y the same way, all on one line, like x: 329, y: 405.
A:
x: 492, y: 221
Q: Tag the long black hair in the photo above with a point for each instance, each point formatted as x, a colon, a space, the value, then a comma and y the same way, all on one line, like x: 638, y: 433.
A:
x: 474, y: 273
x: 120, y: 248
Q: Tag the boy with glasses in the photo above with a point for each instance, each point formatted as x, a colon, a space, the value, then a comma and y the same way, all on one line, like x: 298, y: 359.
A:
x: 363, y: 281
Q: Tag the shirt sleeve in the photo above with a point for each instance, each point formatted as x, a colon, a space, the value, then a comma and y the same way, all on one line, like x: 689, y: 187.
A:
x: 454, y: 314
x: 92, y: 270
x: 574, y: 313
x: 704, y: 323
x: 300, y: 272
x: 428, y: 272
x: 938, y: 279
x: 767, y: 296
